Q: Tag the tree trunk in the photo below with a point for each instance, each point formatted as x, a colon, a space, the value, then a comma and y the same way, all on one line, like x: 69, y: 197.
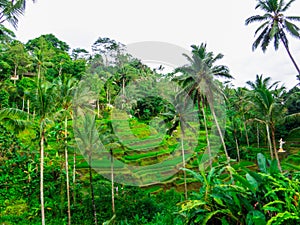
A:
x: 246, y: 132
x: 183, y: 163
x: 28, y: 107
x: 112, y: 182
x: 221, y: 135
x: 291, y: 57
x: 274, y: 146
x: 257, y: 135
x: 39, y: 72
x: 23, y: 103
x: 98, y: 108
x: 42, y: 176
x: 123, y: 87
x: 237, y: 146
x: 269, y: 140
x: 74, y: 177
x: 92, y: 188
x: 206, y: 133
x: 67, y: 171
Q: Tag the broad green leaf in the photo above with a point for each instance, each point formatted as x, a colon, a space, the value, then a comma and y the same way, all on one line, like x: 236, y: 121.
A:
x: 262, y: 164
x: 255, y: 217
x: 252, y: 181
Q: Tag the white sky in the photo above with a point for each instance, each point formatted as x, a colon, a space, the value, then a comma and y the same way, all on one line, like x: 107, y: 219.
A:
x: 219, y: 23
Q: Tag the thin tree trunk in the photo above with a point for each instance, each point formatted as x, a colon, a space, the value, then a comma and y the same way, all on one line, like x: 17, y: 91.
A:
x: 67, y: 171
x: 42, y: 176
x: 183, y: 164
x: 98, y: 108
x: 74, y: 177
x: 257, y: 135
x: 222, y: 140
x: 92, y: 188
x: 112, y: 182
x: 291, y: 57
x: 39, y: 72
x: 15, y: 74
x: 269, y: 140
x: 206, y: 133
x: 246, y: 131
x: 28, y: 107
x: 23, y: 103
x: 237, y: 146
x: 221, y: 135
x: 274, y: 147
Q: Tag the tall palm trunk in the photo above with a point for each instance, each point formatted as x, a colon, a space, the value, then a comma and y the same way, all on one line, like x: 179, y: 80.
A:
x: 42, y: 175
x: 291, y: 57
x: 206, y: 133
x: 183, y: 163
x: 237, y: 145
x: 274, y: 146
x: 246, y: 131
x: 74, y: 176
x: 221, y: 135
x: 112, y: 182
x: 28, y: 108
x: 92, y: 188
x: 257, y: 135
x: 269, y: 141
x: 67, y: 170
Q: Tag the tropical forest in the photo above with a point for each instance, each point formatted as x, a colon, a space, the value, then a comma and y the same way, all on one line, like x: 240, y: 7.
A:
x: 101, y: 137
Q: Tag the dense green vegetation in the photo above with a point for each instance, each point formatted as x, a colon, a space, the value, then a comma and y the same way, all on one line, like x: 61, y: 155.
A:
x: 88, y: 137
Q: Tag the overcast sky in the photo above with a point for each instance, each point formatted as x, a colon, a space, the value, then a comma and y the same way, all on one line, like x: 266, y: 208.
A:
x: 219, y: 23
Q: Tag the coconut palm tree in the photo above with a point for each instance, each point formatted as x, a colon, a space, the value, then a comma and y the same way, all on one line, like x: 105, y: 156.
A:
x: 11, y: 10
x: 84, y: 125
x: 266, y: 103
x: 44, y: 111
x: 197, y: 80
x: 179, y: 116
x: 275, y: 26
x: 64, y: 88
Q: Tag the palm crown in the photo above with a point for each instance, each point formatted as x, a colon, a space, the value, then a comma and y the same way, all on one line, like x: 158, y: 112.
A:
x: 275, y: 23
x: 275, y: 26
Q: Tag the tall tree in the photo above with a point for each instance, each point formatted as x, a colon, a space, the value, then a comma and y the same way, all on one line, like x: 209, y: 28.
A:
x: 64, y: 89
x: 45, y: 111
x: 179, y: 115
x: 198, y: 81
x: 275, y: 26
x: 265, y: 101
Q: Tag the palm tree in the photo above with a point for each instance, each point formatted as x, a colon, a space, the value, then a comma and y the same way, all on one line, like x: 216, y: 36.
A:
x: 44, y: 111
x: 64, y: 88
x: 179, y: 116
x: 84, y: 125
x: 266, y: 103
x: 11, y: 10
x: 275, y: 26
x: 197, y: 80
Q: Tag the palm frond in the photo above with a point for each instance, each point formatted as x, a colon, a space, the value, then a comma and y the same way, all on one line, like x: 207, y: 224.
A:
x: 292, y: 29
x: 293, y: 18
x: 261, y: 27
x: 258, y: 40
x: 256, y: 18
x: 276, y: 41
x: 266, y: 40
x: 15, y: 118
x: 287, y: 6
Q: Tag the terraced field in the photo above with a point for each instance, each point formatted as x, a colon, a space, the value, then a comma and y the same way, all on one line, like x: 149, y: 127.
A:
x: 147, y: 156
x: 292, y: 146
